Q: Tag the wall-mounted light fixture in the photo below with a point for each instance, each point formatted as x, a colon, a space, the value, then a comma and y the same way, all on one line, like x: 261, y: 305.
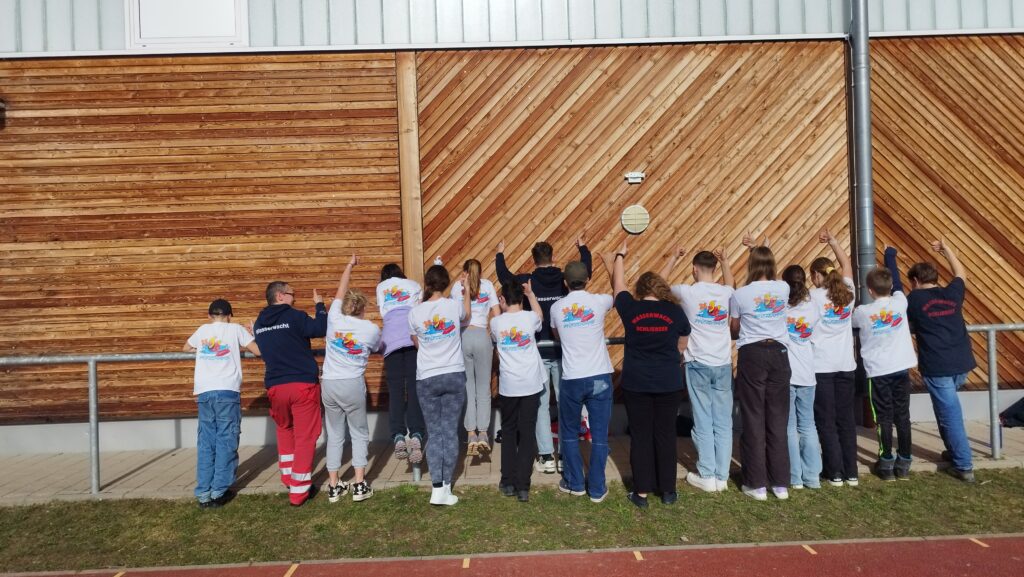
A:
x: 635, y: 177
x: 3, y: 113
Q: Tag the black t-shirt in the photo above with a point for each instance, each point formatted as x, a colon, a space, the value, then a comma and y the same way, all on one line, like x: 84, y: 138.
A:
x: 936, y: 316
x: 653, y: 328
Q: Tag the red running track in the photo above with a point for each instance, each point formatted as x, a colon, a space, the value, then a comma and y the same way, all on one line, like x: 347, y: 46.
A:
x: 986, y: 556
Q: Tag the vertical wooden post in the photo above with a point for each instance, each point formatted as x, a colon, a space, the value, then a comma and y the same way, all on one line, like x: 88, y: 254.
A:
x: 409, y: 165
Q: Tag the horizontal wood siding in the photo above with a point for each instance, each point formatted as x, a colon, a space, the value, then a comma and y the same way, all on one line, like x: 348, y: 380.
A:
x: 136, y: 190
x: 949, y: 160
x: 527, y: 145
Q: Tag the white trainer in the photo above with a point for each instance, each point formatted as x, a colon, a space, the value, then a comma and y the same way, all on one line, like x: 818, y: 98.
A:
x: 706, y: 484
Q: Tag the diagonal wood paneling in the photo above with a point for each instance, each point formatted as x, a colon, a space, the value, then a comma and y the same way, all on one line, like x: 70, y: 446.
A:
x: 523, y: 145
x: 949, y: 160
x: 136, y: 190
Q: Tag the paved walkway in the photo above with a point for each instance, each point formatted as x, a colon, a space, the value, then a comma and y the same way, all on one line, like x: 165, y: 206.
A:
x: 988, y: 555
x: 35, y: 478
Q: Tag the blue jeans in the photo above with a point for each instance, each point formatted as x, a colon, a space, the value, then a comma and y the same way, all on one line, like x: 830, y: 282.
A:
x: 710, y: 391
x: 545, y: 441
x: 596, y: 394
x: 220, y: 424
x: 804, y: 450
x: 950, y: 417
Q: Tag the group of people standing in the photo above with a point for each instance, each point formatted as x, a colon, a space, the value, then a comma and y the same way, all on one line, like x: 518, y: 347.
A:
x: 794, y: 375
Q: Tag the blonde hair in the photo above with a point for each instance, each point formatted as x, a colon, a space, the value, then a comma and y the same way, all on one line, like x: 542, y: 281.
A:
x: 472, y: 266
x: 835, y: 288
x: 354, y: 303
x: 651, y: 284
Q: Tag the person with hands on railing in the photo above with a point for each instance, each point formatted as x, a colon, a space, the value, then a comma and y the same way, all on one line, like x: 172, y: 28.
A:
x: 350, y: 340
x: 218, y: 384
x: 292, y: 381
x: 656, y: 332
x: 936, y: 315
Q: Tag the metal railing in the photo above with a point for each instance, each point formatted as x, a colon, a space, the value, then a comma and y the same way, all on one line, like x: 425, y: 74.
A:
x: 91, y: 361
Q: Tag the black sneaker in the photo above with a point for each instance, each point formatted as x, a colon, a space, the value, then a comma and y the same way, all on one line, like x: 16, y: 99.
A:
x: 669, y: 498
x: 507, y: 490
x: 637, y: 500
x: 902, y: 469
x: 224, y: 499
x: 967, y: 476
x: 946, y: 456
x: 205, y: 504
x: 885, y: 469
x: 523, y: 496
x: 361, y: 491
x: 336, y: 492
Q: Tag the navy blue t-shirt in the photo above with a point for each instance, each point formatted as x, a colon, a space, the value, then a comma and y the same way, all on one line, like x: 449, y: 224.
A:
x: 936, y: 316
x: 653, y: 328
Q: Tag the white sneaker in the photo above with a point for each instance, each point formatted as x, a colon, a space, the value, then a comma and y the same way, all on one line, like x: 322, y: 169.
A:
x: 706, y: 484
x: 798, y: 487
x: 852, y: 482
x: 442, y: 496
x: 780, y: 493
x: 759, y: 494
x: 721, y: 486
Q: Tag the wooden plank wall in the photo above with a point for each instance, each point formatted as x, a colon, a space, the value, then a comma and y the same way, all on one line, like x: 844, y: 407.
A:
x: 136, y: 190
x: 523, y: 145
x: 949, y: 160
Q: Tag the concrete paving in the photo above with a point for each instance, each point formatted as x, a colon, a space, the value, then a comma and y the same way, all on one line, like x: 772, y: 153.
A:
x: 170, y: 474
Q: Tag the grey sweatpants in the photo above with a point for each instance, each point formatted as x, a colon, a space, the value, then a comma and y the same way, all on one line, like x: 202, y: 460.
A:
x: 477, y: 352
x: 345, y: 402
x: 441, y: 398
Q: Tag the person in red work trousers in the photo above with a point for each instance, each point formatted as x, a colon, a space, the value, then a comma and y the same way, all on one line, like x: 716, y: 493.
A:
x: 292, y: 383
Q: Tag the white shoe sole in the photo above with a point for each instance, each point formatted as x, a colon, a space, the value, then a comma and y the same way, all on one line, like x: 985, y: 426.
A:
x: 363, y: 497
x: 701, y: 483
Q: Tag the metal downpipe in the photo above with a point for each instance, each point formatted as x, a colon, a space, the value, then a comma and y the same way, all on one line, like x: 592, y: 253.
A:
x: 862, y: 184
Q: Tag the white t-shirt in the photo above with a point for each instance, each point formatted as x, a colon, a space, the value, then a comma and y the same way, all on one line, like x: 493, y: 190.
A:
x: 218, y: 359
x: 833, y: 338
x: 481, y: 307
x: 761, y: 308
x: 350, y: 341
x: 801, y: 321
x: 885, y: 342
x: 395, y: 293
x: 436, y: 325
x: 521, y: 371
x: 579, y: 319
x: 706, y: 305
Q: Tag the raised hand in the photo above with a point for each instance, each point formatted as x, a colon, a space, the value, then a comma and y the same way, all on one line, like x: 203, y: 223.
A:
x: 316, y: 297
x: 748, y: 239
x: 501, y: 246
x: 354, y: 260
x: 940, y: 245
x: 528, y: 288
x: 720, y: 254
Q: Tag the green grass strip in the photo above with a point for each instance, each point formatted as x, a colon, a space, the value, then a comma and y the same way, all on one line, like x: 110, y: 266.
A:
x: 399, y: 522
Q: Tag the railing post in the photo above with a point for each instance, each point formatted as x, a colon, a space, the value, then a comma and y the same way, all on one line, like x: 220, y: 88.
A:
x: 993, y: 396
x: 94, y: 428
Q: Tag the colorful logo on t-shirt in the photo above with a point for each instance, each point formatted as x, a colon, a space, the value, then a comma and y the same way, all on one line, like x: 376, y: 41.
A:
x: 346, y: 343
x: 438, y: 326
x: 768, y: 306
x: 834, y: 314
x: 395, y: 295
x: 577, y: 315
x: 712, y: 313
x: 482, y: 298
x: 214, y: 347
x: 514, y: 338
x: 799, y: 330
x: 885, y: 321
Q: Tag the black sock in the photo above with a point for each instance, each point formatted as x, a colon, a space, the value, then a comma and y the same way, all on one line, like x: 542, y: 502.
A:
x: 438, y: 485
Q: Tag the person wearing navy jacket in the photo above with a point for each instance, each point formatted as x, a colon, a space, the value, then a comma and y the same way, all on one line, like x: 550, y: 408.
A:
x: 292, y: 383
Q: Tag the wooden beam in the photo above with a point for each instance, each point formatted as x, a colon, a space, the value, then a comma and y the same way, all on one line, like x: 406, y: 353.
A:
x: 409, y: 165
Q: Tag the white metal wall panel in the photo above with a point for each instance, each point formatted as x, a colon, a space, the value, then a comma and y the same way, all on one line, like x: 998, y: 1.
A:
x: 288, y: 23
x: 449, y: 21
x: 261, y: 22
x: 817, y: 15
x: 113, y: 31
x: 791, y: 16
x: 1017, y: 8
x: 973, y: 18
x: 712, y: 17
x: 423, y: 21
x: 397, y: 22
x: 581, y: 19
x: 608, y: 14
x: 476, y: 22
x: 765, y: 16
x: 687, y: 17
x: 634, y: 19
x: 316, y: 30
x: 86, y: 22
x: 32, y: 30
x: 60, y: 36
x: 1000, y: 11
x: 555, y: 19
x: 529, y: 21
x: 660, y: 23
x: 739, y: 18
x: 8, y: 26
x: 503, y: 20
x: 369, y: 22
x: 947, y: 14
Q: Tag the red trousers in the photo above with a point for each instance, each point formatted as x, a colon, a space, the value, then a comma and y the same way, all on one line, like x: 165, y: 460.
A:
x: 295, y: 408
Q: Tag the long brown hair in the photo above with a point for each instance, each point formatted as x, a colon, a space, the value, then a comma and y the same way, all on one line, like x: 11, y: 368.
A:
x: 472, y: 290
x: 761, y: 264
x: 835, y: 288
x: 435, y: 280
x: 651, y: 284
x: 796, y: 278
